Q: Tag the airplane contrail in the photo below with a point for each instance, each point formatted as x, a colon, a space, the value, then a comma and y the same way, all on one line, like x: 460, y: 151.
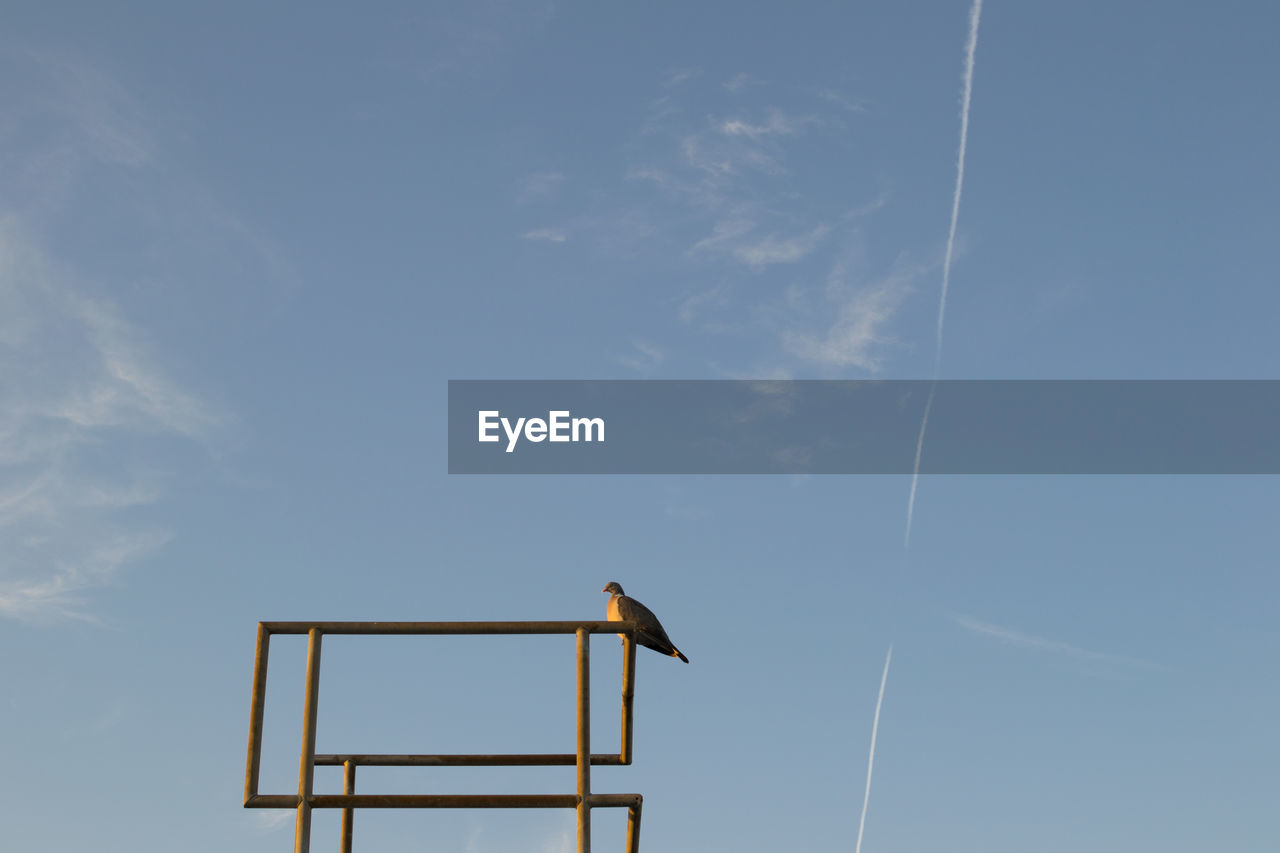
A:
x: 871, y: 758
x: 971, y: 47
x: 915, y: 474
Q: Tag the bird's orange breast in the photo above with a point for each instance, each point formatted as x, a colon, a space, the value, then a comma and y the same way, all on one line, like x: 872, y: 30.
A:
x: 612, y: 614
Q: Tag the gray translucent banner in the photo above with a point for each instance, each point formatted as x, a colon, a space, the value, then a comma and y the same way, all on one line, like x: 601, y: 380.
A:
x: 864, y: 427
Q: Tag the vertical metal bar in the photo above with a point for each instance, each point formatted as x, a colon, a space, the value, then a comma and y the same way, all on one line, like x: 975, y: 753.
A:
x: 628, y: 695
x: 257, y: 703
x: 584, y: 740
x: 633, y: 828
x: 307, y: 762
x: 348, y: 814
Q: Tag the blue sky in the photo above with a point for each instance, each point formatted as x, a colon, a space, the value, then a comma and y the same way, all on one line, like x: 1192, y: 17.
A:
x: 243, y: 248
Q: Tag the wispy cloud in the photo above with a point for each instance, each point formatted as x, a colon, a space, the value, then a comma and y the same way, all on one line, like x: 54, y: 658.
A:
x: 845, y: 102
x: 562, y: 839
x: 859, y: 336
x: 1023, y: 640
x: 724, y: 171
x: 645, y: 358
x: 540, y: 185
x: 871, y: 756
x: 473, y: 39
x: 777, y: 125
x: 106, y: 718
x: 732, y: 236
x: 561, y: 842
x: 693, y: 305
x: 77, y: 560
x: 715, y: 161
x: 72, y: 118
x: 736, y: 147
x: 271, y: 820
x: 549, y: 235
x: 725, y: 233
x: 88, y: 408
x: 780, y: 250
x: 681, y: 75
x: 732, y: 177
x: 77, y: 385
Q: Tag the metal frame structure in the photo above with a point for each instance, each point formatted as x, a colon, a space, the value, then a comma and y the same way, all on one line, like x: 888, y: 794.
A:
x: 305, y: 800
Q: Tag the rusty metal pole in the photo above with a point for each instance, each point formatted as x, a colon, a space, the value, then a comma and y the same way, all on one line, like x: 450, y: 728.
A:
x: 305, y: 800
x: 257, y: 703
x: 633, y: 829
x: 348, y: 814
x: 584, y: 740
x: 628, y: 695
x: 307, y: 762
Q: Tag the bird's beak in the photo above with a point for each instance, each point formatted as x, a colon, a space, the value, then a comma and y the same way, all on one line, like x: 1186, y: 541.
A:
x: 606, y: 589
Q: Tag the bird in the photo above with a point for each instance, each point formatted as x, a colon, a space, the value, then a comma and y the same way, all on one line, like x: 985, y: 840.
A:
x: 649, y: 632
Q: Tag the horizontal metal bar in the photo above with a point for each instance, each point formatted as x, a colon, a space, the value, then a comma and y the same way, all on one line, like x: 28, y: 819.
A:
x: 272, y: 801
x: 470, y: 801
x: 594, y: 627
x: 445, y: 801
x: 515, y: 760
x: 615, y: 801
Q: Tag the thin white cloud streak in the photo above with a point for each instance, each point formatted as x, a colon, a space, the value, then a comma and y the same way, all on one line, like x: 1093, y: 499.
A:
x: 556, y: 840
x: 77, y: 380
x: 712, y: 298
x: 853, y: 105
x: 562, y: 842
x: 108, y: 716
x: 724, y: 232
x: 915, y: 473
x: 270, y: 821
x: 858, y: 336
x: 92, y: 419
x: 1043, y: 644
x: 971, y: 47
x: 871, y: 756
x: 549, y: 235
x: 474, y: 40
x: 730, y: 236
x: 775, y: 250
x: 728, y: 168
x: 77, y: 566
x: 855, y: 338
x: 715, y: 163
x: 81, y: 118
x: 540, y: 185
x: 681, y: 75
x: 778, y: 125
x: 735, y: 148
x: 647, y: 357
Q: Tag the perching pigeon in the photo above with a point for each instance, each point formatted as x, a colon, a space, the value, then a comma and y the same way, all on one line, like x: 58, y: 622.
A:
x: 649, y: 633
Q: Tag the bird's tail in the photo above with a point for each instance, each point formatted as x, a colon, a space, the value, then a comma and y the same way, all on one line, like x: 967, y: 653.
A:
x: 676, y: 653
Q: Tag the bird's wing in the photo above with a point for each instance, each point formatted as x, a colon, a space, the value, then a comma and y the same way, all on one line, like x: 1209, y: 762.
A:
x: 649, y: 631
x: 633, y: 611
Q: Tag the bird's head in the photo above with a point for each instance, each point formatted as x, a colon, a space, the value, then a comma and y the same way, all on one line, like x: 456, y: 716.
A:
x: 613, y: 588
